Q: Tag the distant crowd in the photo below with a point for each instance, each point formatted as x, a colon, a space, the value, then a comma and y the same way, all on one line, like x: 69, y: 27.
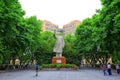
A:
x: 20, y: 67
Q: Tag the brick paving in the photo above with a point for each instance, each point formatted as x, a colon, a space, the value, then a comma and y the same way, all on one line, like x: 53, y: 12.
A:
x: 83, y: 74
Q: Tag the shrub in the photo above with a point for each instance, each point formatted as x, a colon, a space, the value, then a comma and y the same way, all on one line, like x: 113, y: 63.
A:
x: 58, y: 66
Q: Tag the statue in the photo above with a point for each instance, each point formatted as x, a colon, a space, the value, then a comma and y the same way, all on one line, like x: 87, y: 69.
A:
x: 58, y: 48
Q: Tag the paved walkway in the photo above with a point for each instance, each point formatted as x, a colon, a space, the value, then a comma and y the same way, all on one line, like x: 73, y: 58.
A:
x: 86, y: 74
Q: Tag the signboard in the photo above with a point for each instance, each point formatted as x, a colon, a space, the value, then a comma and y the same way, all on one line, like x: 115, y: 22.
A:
x: 58, y: 61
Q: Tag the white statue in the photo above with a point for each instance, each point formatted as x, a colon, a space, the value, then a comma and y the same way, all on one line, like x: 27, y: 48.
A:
x: 58, y: 48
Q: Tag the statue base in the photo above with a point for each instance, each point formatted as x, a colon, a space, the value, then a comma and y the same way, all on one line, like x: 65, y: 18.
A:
x: 59, y: 60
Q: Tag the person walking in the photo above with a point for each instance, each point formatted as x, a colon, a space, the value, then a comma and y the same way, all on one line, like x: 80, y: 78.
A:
x: 104, y: 68
x: 36, y: 68
x: 118, y: 68
x: 109, y: 69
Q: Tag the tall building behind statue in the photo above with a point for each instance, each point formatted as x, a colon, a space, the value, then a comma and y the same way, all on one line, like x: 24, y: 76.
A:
x: 48, y: 26
x: 68, y: 28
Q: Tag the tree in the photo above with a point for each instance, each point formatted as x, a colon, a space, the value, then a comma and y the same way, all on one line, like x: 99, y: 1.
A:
x: 109, y: 20
x: 89, y: 37
x: 70, y: 52
x: 100, y: 34
x: 32, y: 34
x: 44, y: 53
x: 11, y: 16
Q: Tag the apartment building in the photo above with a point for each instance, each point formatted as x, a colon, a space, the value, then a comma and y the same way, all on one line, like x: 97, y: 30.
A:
x: 70, y: 27
x: 48, y: 26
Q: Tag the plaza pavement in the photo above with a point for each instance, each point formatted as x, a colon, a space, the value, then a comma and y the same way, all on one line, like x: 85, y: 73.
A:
x: 83, y: 74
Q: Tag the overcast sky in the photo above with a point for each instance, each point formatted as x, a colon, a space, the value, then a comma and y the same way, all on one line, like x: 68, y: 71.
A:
x: 60, y: 12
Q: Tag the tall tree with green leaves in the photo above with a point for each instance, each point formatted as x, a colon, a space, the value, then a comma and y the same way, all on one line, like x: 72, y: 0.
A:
x: 101, y: 32
x: 31, y: 36
x: 89, y: 37
x: 11, y: 16
x: 70, y: 52
x: 110, y: 20
x: 44, y: 53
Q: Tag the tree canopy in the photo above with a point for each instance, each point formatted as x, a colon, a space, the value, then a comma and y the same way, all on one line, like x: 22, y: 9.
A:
x: 100, y: 34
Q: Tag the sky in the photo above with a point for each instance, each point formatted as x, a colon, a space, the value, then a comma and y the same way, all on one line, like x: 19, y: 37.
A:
x: 60, y: 12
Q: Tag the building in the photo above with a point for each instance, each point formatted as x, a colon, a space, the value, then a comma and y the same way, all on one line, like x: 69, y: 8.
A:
x: 48, y: 26
x: 70, y: 27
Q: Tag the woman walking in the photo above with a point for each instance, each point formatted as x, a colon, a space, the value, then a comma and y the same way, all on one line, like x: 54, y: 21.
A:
x: 104, y: 68
x: 118, y: 68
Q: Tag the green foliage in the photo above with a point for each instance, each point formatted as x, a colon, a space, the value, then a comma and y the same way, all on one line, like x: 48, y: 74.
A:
x: 100, y: 34
x: 58, y: 66
x: 19, y: 35
x: 109, y: 18
x: 30, y: 38
x: 11, y: 17
x: 70, y: 52
x: 96, y: 37
x: 1, y: 59
x: 44, y: 53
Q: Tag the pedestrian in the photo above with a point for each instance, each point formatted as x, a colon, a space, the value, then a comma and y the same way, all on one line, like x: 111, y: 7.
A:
x: 36, y: 68
x: 109, y: 69
x: 104, y: 68
x: 118, y: 68
x: 13, y: 67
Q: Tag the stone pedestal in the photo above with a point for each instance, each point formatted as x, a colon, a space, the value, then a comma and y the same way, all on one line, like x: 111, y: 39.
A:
x: 59, y: 60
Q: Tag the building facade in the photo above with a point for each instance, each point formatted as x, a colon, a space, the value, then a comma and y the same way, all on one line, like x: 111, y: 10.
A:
x: 48, y: 26
x: 70, y: 27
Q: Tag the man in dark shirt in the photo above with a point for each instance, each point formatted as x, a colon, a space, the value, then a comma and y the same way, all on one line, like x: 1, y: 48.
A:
x: 37, y: 68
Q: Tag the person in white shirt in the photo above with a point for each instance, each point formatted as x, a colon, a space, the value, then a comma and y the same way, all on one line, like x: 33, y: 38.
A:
x: 109, y: 69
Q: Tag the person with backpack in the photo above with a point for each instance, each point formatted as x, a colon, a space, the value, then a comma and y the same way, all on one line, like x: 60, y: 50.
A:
x: 36, y: 68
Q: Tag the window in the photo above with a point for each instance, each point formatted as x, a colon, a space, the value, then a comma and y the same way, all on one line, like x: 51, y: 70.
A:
x: 47, y: 24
